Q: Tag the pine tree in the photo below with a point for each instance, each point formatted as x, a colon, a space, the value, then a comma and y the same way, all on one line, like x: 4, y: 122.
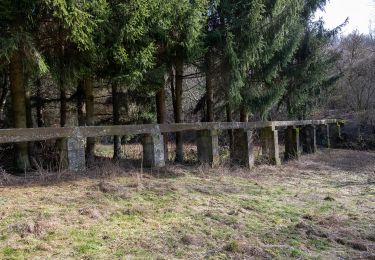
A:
x: 281, y: 36
x: 19, y: 22
x: 309, y: 75
x: 129, y: 49
x: 178, y: 37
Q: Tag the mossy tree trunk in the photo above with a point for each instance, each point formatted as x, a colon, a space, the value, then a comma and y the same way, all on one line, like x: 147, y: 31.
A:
x: 17, y: 90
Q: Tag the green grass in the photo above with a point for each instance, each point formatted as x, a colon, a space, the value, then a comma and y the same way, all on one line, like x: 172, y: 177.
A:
x: 214, y: 215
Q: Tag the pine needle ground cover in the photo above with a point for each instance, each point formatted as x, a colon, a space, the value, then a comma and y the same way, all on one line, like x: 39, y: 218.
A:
x: 320, y: 207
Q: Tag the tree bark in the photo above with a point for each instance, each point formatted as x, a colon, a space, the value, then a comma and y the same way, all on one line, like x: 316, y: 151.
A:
x: 173, y: 90
x: 61, y: 143
x: 117, y: 152
x: 80, y: 104
x: 3, y: 97
x: 230, y: 131
x: 244, y: 116
x: 161, y: 110
x: 29, y: 116
x: 179, y: 65
x: 90, y: 118
x: 17, y: 90
x: 209, y: 88
x: 63, y: 107
x: 39, y: 105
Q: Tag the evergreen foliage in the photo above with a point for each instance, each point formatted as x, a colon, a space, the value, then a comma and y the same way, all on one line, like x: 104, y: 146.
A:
x: 256, y: 55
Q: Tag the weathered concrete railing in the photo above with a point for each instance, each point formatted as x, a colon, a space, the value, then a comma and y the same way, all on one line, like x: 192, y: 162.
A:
x: 299, y: 136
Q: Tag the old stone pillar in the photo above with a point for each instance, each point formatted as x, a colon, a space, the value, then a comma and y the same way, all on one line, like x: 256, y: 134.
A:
x: 292, y: 143
x: 208, y: 147
x: 75, y: 146
x: 153, y: 150
x: 322, y: 135
x: 270, y: 145
x: 334, y: 134
x: 308, y: 139
x: 243, y: 149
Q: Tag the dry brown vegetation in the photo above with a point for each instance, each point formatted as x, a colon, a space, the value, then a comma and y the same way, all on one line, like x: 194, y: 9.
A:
x: 319, y: 207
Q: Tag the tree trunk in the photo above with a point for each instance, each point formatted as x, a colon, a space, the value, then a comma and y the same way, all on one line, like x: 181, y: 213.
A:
x: 173, y: 90
x: 39, y: 105
x: 17, y: 90
x: 61, y: 143
x: 161, y: 110
x: 244, y: 116
x: 3, y: 97
x: 29, y: 116
x: 117, y: 152
x: 80, y: 104
x: 63, y: 107
x: 90, y: 118
x: 209, y: 88
x: 178, y: 112
x: 230, y: 131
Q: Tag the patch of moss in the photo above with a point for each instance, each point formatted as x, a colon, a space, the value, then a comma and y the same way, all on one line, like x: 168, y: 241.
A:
x: 10, y: 253
x: 232, y: 246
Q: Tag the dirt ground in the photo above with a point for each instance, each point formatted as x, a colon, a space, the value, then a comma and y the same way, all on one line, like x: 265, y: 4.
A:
x: 322, y: 206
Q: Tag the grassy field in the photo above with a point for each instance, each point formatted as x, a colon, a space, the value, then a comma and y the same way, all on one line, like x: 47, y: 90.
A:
x: 320, y: 207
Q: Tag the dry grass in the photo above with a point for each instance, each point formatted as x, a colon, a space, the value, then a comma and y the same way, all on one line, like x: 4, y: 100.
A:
x: 320, y: 207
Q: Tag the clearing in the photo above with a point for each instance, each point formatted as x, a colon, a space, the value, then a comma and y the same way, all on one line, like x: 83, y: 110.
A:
x: 322, y: 206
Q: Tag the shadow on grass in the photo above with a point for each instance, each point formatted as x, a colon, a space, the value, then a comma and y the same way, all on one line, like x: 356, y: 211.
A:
x: 338, y: 159
x: 103, y: 167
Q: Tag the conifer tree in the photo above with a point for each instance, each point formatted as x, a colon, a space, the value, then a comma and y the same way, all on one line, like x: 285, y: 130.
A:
x: 19, y: 22
x: 309, y: 76
x: 178, y: 37
x: 281, y: 36
x: 129, y: 49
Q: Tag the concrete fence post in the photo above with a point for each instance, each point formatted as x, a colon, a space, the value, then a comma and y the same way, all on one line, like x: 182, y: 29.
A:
x: 308, y: 139
x: 208, y: 147
x: 322, y: 136
x: 75, y: 146
x: 243, y: 148
x: 334, y: 134
x: 292, y: 143
x: 270, y: 145
x: 153, y: 150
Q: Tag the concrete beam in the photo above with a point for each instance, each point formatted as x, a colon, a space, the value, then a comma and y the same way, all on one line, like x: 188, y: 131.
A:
x: 243, y: 148
x: 270, y: 145
x: 292, y: 143
x: 36, y: 134
x: 208, y: 147
x: 153, y: 150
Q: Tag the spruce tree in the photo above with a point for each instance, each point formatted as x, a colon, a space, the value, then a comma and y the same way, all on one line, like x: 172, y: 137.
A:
x: 19, y: 22
x: 309, y: 76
